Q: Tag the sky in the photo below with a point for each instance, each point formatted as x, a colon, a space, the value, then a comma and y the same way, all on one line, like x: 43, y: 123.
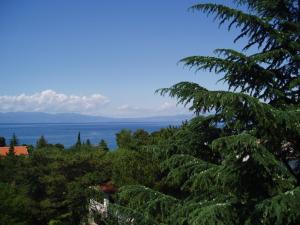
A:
x: 102, y: 57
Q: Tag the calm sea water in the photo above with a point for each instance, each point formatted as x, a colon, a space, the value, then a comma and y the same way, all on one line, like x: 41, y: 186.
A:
x: 66, y: 134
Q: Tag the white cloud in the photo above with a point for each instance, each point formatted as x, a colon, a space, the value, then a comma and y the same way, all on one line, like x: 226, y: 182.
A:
x: 164, y: 109
x: 53, y: 102
x: 127, y: 107
x: 50, y: 101
x: 166, y: 106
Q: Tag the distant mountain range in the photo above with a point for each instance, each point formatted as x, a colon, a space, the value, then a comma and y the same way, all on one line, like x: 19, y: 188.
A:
x: 38, y: 117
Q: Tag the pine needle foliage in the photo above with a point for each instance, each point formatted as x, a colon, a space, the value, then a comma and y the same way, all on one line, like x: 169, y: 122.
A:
x: 179, y: 168
x: 153, y: 205
x: 281, y: 209
x: 250, y: 136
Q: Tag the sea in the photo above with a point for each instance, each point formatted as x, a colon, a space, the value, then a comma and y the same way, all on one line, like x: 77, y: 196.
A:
x: 66, y: 133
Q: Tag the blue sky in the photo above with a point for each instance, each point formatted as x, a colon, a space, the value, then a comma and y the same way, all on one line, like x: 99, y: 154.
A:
x: 101, y: 57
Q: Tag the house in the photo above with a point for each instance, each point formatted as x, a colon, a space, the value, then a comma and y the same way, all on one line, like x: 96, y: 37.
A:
x: 107, y: 188
x: 18, y: 150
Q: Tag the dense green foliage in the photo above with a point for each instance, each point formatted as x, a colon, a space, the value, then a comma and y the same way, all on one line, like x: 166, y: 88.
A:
x: 52, y: 185
x: 13, y: 207
x: 41, y: 143
x: 103, y: 145
x: 78, y: 143
x: 236, y: 165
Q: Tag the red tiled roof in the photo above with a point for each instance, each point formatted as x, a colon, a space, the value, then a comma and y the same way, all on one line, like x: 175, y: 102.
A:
x: 19, y: 150
x: 108, y: 187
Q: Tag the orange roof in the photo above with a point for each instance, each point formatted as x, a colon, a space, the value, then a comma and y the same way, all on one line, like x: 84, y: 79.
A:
x: 19, y: 150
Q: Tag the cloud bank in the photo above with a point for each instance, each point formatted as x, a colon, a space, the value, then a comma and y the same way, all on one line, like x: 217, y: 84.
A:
x: 50, y: 101
x: 53, y: 102
x: 164, y: 109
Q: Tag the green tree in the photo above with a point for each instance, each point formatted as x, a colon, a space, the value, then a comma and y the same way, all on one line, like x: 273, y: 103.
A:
x: 124, y: 139
x: 2, y: 142
x: 251, y: 180
x: 132, y: 167
x: 78, y: 142
x: 194, y: 138
x: 41, y: 142
x: 141, y: 137
x: 59, y: 146
x: 11, y: 150
x: 88, y: 142
x: 60, y: 182
x: 14, y: 205
x: 14, y: 140
x: 103, y: 145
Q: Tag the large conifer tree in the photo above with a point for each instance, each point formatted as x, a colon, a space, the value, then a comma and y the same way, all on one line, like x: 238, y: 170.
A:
x: 252, y: 180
